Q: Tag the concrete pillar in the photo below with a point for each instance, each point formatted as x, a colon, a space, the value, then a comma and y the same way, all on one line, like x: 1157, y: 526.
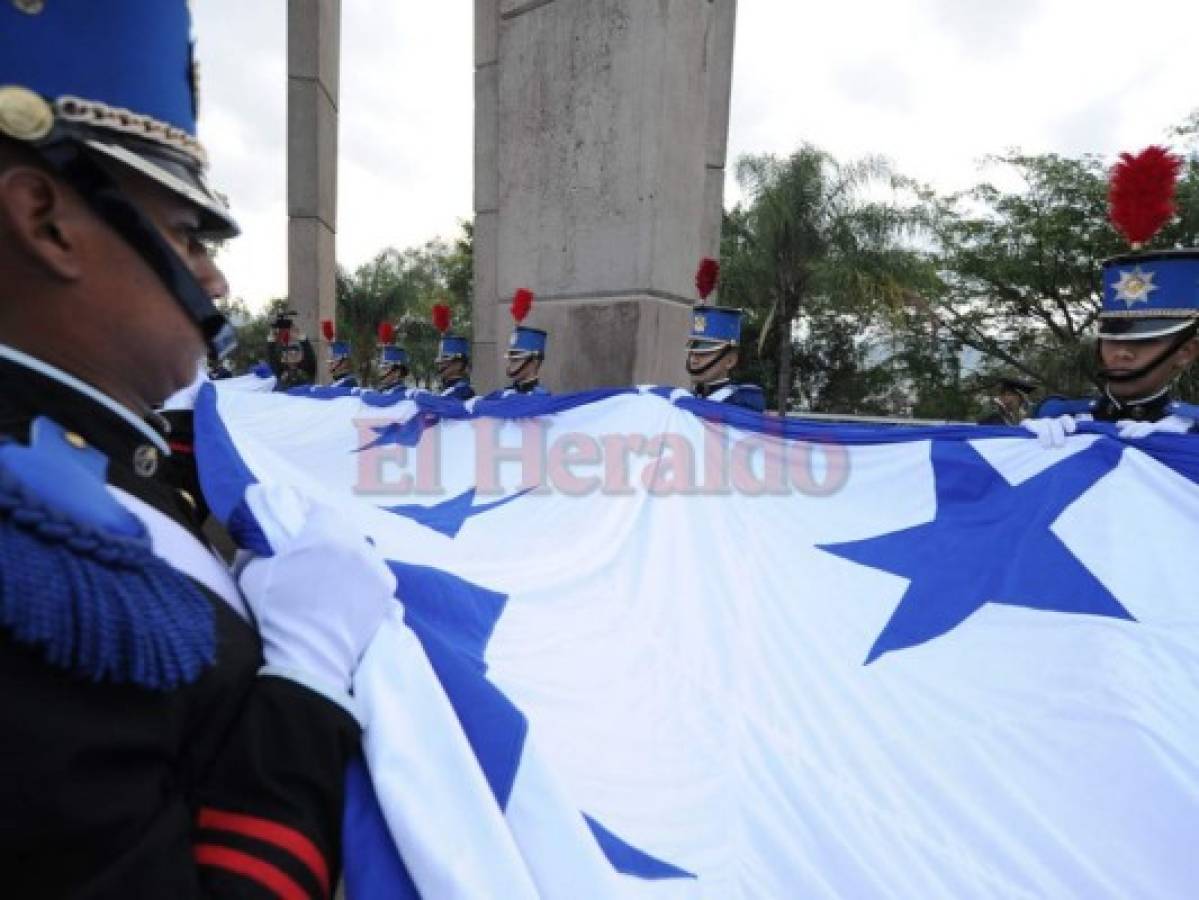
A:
x: 313, y: 60
x: 601, y: 130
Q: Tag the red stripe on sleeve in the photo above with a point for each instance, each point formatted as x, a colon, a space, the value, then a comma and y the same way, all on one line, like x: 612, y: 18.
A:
x: 270, y: 877
x: 281, y: 836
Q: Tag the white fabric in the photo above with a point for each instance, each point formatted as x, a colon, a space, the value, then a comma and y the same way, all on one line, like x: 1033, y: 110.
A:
x: 691, y: 664
x: 248, y: 383
x: 433, y: 788
x: 309, y: 623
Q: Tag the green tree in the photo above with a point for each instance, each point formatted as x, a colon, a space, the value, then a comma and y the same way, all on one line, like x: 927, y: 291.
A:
x: 401, y: 287
x: 817, y: 258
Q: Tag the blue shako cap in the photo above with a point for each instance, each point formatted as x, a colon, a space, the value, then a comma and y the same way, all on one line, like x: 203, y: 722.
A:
x: 527, y: 341
x: 83, y: 83
x: 1149, y: 295
x: 453, y: 346
x: 393, y: 356
x: 712, y: 326
x: 119, y: 78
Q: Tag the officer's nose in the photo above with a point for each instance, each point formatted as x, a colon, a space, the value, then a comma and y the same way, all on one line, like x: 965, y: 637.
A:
x: 211, y: 278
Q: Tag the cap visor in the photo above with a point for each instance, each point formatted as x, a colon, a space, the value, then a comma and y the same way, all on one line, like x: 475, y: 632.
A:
x: 1128, y: 329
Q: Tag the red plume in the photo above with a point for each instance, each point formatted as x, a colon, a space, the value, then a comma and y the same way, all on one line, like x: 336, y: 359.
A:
x: 387, y: 332
x: 706, y: 277
x: 441, y: 317
x: 522, y: 302
x: 1141, y: 193
x: 327, y: 329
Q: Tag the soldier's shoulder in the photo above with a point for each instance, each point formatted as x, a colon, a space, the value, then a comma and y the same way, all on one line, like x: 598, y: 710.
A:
x: 81, y: 579
x: 1056, y: 405
x: 750, y: 396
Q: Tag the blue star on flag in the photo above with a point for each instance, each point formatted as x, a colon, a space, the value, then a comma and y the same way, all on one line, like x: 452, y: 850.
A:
x: 989, y: 542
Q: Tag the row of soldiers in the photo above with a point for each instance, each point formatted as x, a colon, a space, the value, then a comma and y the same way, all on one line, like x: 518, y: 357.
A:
x: 712, y: 352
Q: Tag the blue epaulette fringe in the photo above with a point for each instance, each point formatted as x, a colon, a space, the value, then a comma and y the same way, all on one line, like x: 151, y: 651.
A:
x: 97, y: 603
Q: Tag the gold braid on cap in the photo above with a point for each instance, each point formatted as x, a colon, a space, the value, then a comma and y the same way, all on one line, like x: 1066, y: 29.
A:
x: 114, y: 118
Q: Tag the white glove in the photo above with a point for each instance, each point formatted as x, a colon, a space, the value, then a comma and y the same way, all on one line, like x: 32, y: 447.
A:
x: 319, y: 600
x: 1051, y: 432
x: 1169, y: 425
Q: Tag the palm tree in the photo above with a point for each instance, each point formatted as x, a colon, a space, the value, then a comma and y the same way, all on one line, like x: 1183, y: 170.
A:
x: 811, y: 244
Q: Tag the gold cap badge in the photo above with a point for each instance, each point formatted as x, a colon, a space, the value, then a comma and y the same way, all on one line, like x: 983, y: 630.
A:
x: 33, y: 7
x: 24, y: 115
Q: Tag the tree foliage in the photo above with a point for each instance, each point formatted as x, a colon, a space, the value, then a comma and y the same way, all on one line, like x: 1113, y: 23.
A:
x: 818, y: 257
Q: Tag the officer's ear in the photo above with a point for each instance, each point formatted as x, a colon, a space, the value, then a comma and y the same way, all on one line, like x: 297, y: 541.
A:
x: 40, y: 219
x: 1187, y: 354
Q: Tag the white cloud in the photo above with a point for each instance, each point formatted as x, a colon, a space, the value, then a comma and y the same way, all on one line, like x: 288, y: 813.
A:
x: 935, y: 85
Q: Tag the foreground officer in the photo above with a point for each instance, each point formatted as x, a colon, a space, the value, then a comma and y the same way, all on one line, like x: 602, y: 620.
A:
x: 1147, y: 326
x: 453, y: 358
x: 526, y: 352
x: 712, y: 352
x: 155, y: 743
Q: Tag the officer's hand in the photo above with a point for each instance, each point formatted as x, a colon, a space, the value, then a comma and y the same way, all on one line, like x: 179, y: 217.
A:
x: 322, y: 595
x: 1130, y: 430
x: 1051, y: 432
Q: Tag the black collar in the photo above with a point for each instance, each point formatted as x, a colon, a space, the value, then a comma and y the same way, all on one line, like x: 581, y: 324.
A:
x: 30, y: 388
x: 707, y: 390
x: 525, y: 387
x: 1150, y: 409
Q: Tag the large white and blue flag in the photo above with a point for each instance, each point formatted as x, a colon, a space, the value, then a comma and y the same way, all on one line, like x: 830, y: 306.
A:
x: 647, y: 646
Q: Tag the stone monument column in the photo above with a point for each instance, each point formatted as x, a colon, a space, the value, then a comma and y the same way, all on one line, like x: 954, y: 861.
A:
x: 313, y: 59
x: 601, y: 129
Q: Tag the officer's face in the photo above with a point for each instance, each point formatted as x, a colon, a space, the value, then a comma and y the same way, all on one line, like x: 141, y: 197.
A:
x: 451, y: 369
x: 523, y: 367
x: 1128, y: 356
x: 102, y: 313
x: 698, y: 359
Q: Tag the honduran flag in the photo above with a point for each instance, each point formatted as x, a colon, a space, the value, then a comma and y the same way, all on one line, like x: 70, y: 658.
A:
x: 647, y: 646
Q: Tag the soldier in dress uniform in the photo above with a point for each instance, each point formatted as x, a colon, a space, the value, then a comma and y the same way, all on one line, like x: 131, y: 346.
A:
x: 453, y: 358
x: 526, y: 352
x: 156, y: 743
x: 1148, y: 323
x: 1009, y: 402
x: 712, y: 355
x: 290, y: 355
x: 340, y: 375
x: 392, y: 365
x: 712, y: 351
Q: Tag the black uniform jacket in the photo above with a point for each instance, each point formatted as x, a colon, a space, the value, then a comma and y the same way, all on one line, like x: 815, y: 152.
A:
x: 230, y: 786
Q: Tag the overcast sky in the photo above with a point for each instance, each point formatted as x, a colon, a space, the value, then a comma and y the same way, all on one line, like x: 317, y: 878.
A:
x: 934, y: 85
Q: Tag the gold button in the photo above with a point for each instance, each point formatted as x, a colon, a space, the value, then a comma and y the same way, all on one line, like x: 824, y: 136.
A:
x: 187, y: 498
x: 75, y: 440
